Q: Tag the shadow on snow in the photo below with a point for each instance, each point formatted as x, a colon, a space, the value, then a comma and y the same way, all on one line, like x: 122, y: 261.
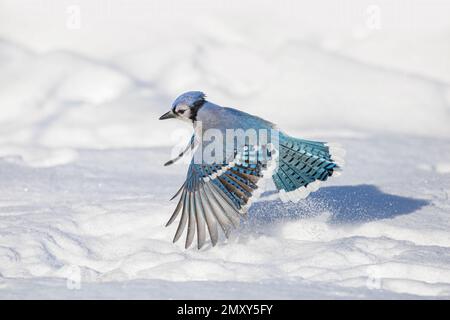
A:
x: 347, y: 205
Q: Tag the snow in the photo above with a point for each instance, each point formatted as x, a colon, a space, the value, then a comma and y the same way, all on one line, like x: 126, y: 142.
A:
x: 84, y: 195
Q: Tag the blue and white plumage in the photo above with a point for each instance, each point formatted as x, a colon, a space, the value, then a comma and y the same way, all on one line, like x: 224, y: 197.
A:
x: 217, y: 194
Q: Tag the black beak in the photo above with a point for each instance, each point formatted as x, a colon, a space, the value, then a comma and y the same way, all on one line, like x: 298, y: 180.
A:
x: 167, y: 115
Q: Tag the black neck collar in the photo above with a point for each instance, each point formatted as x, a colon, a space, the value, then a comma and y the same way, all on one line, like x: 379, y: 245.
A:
x: 195, y: 107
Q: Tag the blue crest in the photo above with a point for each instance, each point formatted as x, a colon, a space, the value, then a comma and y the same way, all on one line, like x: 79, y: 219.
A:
x: 190, y: 98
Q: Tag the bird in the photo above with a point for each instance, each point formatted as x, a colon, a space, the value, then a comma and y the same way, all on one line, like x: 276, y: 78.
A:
x: 220, y: 188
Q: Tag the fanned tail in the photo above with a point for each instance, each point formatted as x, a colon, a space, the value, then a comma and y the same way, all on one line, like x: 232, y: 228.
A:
x: 303, y: 164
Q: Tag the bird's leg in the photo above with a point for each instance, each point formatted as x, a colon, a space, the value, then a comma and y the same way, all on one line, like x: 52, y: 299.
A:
x: 190, y: 146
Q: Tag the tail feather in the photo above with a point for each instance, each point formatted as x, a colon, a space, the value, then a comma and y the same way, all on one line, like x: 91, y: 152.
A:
x: 303, y: 164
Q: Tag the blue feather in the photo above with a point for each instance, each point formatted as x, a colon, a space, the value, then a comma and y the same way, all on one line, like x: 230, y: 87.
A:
x: 301, y: 162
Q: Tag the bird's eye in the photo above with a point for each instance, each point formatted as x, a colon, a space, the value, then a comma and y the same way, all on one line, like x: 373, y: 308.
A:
x: 181, y: 111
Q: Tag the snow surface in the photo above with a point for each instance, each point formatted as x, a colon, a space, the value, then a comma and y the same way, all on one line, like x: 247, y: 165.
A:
x: 84, y: 195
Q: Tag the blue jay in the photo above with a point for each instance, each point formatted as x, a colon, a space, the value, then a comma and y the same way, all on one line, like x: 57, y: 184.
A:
x: 218, y: 192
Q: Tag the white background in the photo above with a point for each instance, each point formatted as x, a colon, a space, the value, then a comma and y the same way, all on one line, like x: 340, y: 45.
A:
x: 84, y: 196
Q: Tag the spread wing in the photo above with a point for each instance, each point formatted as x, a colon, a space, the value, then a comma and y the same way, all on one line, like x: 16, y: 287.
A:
x: 217, y: 195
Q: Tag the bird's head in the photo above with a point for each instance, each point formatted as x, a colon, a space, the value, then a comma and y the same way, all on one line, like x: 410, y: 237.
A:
x: 186, y: 106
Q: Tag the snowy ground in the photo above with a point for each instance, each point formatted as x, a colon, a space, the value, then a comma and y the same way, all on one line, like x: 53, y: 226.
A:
x: 84, y: 195
x: 371, y: 233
